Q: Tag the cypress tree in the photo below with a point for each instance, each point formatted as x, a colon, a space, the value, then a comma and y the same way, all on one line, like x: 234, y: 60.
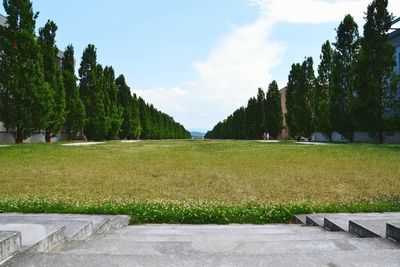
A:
x: 144, y: 119
x: 74, y: 108
x: 304, y: 99
x: 251, y: 113
x: 375, y: 82
x: 342, y: 90
x: 112, y: 108
x: 52, y: 75
x: 274, y: 116
x: 321, y: 100
x: 301, y: 83
x: 24, y: 95
x: 260, y: 113
x: 137, y: 130
x: 125, y: 100
x: 293, y: 83
x: 92, y: 91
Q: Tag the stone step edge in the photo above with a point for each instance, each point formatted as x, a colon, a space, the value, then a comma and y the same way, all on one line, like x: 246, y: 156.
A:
x: 300, y: 218
x: 113, y: 222
x: 52, y: 240
x: 311, y: 221
x: 392, y: 232
x: 83, y: 232
x: 332, y: 226
x: 10, y: 245
x: 360, y: 231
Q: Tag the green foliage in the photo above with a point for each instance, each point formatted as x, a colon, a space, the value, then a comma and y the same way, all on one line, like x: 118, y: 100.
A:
x: 301, y: 83
x: 25, y: 97
x: 342, y: 91
x: 158, y: 125
x: 52, y: 75
x: 112, y: 108
x: 376, y: 87
x: 321, y: 100
x: 274, y: 116
x: 92, y: 92
x: 130, y: 128
x: 260, y: 115
x: 74, y: 108
x: 196, y: 212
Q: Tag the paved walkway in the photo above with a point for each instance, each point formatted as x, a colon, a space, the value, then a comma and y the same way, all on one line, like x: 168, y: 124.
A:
x: 108, y: 243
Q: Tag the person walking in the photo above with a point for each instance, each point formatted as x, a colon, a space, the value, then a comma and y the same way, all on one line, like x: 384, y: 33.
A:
x: 264, y: 136
x: 267, y: 136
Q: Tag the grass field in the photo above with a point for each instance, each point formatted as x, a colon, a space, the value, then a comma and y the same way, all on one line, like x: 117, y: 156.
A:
x: 176, y: 174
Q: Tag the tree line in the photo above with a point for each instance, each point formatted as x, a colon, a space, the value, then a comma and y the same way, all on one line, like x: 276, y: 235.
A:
x: 262, y: 114
x: 37, y: 94
x: 355, y: 87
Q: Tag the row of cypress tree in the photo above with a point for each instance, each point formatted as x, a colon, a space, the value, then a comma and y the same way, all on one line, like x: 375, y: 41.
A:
x: 37, y: 94
x: 262, y: 114
x: 356, y: 88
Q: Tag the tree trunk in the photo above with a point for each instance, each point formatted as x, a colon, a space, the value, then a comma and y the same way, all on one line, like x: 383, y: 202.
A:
x: 381, y: 135
x: 20, y: 136
x: 351, y: 135
x: 69, y: 135
x: 48, y: 137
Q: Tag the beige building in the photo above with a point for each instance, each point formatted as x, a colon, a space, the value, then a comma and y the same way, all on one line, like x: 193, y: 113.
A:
x: 285, y: 130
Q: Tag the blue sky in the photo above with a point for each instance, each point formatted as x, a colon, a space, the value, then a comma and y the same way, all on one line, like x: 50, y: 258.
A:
x: 199, y: 60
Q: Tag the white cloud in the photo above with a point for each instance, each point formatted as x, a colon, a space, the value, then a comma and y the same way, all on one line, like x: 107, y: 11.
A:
x: 243, y: 59
x: 310, y: 11
x: 166, y: 99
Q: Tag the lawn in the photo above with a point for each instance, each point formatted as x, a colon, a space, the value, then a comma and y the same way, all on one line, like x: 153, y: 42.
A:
x: 212, y: 173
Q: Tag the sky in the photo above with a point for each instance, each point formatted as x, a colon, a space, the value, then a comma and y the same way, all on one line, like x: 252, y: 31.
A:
x: 200, y: 60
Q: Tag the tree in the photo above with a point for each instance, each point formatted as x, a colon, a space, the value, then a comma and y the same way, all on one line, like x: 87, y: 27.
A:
x: 125, y: 100
x: 52, y: 75
x: 260, y: 113
x: 304, y: 99
x: 342, y: 90
x: 137, y: 130
x: 144, y: 119
x: 321, y: 103
x: 293, y: 83
x: 251, y: 113
x: 113, y: 111
x: 301, y: 84
x: 24, y: 95
x: 274, y: 116
x: 92, y: 92
x: 74, y: 108
x: 375, y: 83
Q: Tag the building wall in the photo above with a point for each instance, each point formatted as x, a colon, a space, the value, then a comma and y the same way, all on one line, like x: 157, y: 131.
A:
x: 285, y: 130
x: 361, y: 137
x: 3, y: 20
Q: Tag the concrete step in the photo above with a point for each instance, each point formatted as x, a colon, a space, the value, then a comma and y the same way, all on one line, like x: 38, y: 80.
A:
x: 329, y: 258
x: 393, y: 231
x: 300, y: 218
x: 36, y: 237
x: 10, y: 243
x: 42, y: 232
x: 340, y: 221
x: 144, y: 241
x: 369, y: 228
x: 167, y: 245
x: 78, y: 227
x: 316, y: 219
